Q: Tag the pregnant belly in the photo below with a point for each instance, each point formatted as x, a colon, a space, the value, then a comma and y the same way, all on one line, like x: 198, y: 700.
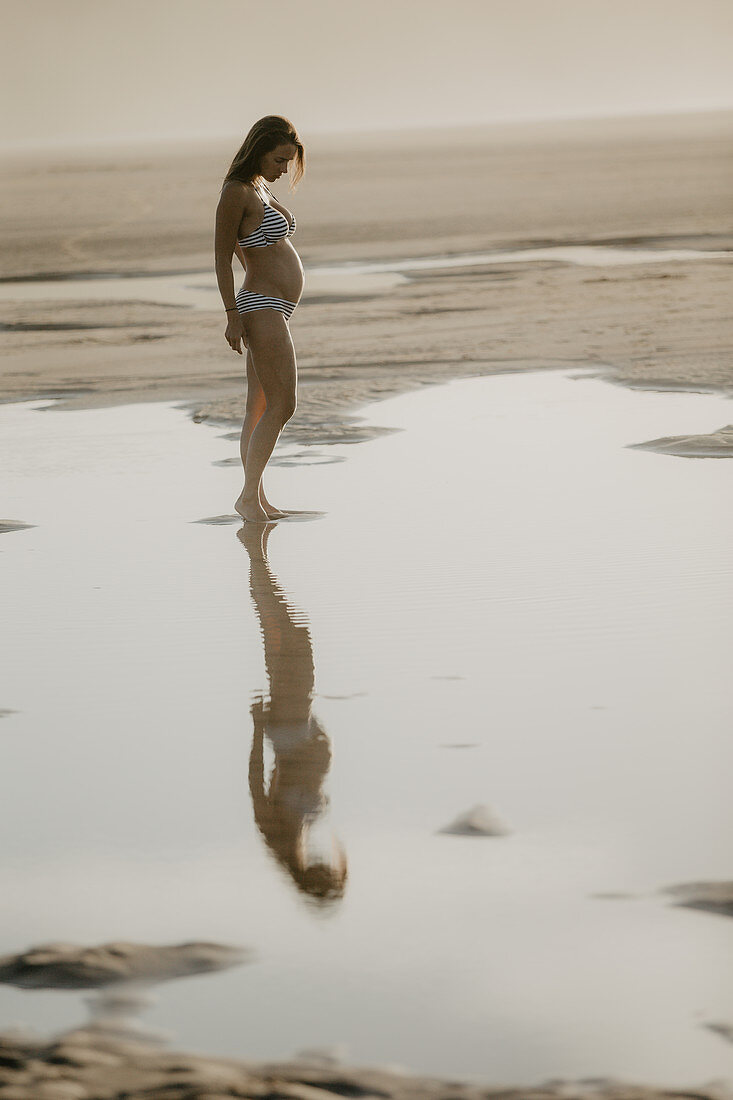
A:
x: 276, y: 271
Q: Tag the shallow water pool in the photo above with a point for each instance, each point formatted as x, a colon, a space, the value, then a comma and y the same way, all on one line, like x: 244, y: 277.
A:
x: 502, y: 604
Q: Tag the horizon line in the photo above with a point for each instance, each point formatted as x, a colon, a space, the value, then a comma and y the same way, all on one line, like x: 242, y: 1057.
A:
x: 199, y: 138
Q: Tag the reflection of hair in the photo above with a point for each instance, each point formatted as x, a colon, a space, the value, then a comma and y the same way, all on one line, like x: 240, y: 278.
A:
x: 321, y: 882
x: 294, y: 799
x: 266, y: 134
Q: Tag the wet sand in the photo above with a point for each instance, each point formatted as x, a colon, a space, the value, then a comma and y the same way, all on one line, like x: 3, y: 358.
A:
x: 81, y: 1066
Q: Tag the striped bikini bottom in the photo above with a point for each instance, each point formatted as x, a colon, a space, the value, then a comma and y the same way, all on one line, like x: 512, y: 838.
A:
x: 247, y: 300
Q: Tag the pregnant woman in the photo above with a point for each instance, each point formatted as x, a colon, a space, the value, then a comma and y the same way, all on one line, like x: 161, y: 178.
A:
x: 251, y: 223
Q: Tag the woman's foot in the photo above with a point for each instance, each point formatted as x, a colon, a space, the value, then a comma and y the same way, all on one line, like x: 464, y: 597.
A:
x: 251, y: 510
x: 272, y: 512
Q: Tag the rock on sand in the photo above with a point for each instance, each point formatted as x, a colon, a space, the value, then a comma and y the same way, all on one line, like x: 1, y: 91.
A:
x: 68, y: 966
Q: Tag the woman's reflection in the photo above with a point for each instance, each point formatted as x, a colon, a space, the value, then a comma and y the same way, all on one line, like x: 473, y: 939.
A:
x: 288, y: 808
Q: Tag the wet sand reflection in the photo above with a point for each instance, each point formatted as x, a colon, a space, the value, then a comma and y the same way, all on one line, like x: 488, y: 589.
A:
x: 291, y: 806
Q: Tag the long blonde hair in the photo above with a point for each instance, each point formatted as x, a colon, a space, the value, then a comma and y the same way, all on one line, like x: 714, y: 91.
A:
x: 266, y: 134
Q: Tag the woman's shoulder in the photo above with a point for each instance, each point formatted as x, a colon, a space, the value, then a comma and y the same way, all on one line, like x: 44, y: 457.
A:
x: 238, y: 193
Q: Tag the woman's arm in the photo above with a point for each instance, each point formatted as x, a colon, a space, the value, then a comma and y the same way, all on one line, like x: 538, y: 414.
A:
x: 228, y: 219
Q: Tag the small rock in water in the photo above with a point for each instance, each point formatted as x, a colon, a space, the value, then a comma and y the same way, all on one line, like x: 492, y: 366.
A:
x: 724, y: 1030
x: 713, y: 897
x: 478, y: 821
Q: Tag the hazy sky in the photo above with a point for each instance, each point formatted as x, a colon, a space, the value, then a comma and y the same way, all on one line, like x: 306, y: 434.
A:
x: 78, y: 71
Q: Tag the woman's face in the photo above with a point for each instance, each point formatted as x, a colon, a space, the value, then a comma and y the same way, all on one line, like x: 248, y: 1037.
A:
x: 275, y: 164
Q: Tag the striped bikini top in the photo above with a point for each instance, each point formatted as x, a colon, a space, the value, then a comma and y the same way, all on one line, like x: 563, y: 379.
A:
x: 273, y: 227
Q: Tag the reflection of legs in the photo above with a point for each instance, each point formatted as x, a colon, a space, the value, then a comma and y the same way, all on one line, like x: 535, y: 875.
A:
x: 287, y: 640
x: 256, y: 405
x: 273, y: 359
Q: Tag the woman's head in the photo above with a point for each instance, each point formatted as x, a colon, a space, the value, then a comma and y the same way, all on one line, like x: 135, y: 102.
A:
x: 271, y: 148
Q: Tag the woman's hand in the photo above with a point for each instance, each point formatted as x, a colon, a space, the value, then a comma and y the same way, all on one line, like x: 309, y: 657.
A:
x: 235, y: 334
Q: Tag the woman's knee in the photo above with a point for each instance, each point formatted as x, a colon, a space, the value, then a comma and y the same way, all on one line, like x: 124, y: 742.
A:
x: 285, y: 406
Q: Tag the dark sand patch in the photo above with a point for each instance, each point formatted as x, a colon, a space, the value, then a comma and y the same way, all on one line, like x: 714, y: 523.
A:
x: 219, y: 521
x: 352, y: 695
x: 291, y: 515
x: 62, y: 326
x: 8, y: 525
x: 287, y: 460
x: 299, y: 516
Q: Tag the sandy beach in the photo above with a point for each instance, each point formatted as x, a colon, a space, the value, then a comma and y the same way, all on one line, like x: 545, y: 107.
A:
x: 659, y: 183
x: 568, y: 650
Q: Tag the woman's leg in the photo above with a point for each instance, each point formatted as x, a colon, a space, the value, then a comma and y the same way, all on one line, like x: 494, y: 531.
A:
x: 256, y: 405
x: 273, y: 360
